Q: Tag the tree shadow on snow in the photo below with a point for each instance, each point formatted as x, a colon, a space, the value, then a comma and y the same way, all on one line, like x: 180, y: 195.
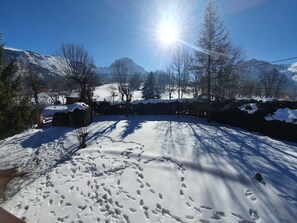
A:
x: 46, y: 135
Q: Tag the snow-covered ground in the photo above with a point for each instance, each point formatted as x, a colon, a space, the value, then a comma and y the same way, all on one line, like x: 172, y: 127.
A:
x: 107, y: 90
x: 151, y: 169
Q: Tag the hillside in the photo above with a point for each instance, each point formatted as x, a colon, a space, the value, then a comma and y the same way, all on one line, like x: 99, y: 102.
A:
x: 254, y: 68
x: 50, y: 67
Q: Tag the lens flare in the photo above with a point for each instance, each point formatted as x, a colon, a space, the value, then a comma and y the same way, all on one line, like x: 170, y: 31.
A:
x: 168, y: 32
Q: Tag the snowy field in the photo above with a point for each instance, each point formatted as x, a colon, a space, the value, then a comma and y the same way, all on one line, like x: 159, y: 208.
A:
x: 151, y: 169
x: 105, y: 92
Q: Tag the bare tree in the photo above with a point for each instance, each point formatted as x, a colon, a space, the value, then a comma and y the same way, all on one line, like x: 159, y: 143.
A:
x: 120, y: 70
x: 34, y: 83
x: 181, y: 67
x: 135, y: 80
x: 79, y: 67
x: 273, y: 82
x: 170, y: 86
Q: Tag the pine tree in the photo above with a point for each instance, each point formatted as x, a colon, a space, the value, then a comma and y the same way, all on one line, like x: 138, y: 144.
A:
x: 217, y: 59
x: 150, y: 90
x: 16, y: 112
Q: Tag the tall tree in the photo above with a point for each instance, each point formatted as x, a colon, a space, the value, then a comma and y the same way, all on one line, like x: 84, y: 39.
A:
x: 34, y: 83
x: 79, y: 67
x: 181, y: 67
x: 217, y: 59
x: 150, y: 89
x: 16, y: 112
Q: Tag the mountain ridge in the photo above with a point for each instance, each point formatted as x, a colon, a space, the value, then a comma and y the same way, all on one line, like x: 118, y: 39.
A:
x: 50, y: 67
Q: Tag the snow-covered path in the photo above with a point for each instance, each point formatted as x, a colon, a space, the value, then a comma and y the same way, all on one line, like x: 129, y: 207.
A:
x: 152, y: 169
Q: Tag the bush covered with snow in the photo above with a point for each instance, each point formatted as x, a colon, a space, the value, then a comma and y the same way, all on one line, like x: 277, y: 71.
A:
x: 238, y: 115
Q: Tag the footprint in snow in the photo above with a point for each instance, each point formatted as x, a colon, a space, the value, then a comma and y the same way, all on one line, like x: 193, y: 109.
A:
x: 250, y: 194
x: 50, y: 202
x: 190, y: 217
x: 254, y: 214
x: 237, y: 215
x: 206, y: 207
x: 133, y: 210
x: 147, y: 216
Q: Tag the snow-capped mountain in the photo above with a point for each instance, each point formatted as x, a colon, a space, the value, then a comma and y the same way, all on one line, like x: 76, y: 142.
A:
x: 49, y: 67
x: 106, y: 72
x: 253, y: 69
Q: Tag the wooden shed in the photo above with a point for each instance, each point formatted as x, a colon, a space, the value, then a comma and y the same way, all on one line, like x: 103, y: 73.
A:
x: 79, y: 114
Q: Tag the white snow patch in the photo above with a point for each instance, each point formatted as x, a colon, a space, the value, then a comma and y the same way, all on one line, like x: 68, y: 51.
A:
x: 109, y: 92
x: 249, y: 108
x: 283, y: 114
x: 293, y: 67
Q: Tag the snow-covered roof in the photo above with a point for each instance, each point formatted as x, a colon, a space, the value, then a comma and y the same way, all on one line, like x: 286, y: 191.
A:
x: 283, y: 114
x: 73, y: 95
x: 51, y: 110
x: 77, y: 105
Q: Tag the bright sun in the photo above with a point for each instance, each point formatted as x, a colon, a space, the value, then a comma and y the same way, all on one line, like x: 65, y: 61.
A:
x: 168, y: 32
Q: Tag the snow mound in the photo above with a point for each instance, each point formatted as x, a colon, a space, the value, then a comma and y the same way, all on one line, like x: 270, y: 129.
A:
x: 77, y: 105
x: 283, y: 114
x: 249, y: 108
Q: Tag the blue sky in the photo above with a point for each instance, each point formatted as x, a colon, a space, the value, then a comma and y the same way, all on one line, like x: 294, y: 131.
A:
x: 111, y: 29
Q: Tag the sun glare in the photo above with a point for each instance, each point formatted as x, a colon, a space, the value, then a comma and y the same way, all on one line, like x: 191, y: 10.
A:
x: 168, y: 32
